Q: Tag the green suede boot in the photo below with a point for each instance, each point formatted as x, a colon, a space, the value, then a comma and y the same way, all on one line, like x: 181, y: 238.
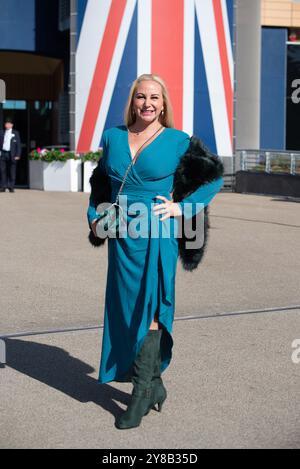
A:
x: 159, y: 390
x: 142, y: 398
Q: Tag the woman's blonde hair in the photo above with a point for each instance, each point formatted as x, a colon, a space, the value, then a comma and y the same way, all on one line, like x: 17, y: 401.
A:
x: 166, y: 119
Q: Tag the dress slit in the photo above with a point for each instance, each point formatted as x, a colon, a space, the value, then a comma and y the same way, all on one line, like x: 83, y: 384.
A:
x: 166, y: 342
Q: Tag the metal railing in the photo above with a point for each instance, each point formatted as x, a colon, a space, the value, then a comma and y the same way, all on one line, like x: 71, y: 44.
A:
x: 229, y: 173
x: 269, y: 161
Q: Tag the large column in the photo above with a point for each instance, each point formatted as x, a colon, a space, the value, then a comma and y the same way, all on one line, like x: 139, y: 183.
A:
x: 248, y: 59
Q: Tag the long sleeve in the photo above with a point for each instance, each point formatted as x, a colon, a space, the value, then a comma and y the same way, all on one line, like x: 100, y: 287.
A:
x: 92, y: 214
x: 183, y: 145
x: 203, y: 195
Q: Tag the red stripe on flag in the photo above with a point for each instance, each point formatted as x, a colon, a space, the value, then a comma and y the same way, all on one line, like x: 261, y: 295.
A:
x: 224, y: 63
x: 100, y: 74
x: 167, y: 50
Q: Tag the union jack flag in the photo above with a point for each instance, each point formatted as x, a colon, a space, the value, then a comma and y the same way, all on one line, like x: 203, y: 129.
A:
x: 189, y: 43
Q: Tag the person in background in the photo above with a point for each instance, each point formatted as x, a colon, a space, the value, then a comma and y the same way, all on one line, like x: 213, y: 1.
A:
x: 10, y: 152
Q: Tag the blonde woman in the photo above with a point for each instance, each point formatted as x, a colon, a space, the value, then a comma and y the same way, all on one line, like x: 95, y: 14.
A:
x: 140, y: 290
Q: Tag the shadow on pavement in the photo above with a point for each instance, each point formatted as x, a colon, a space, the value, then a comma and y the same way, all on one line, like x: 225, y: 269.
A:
x: 285, y: 199
x: 55, y: 367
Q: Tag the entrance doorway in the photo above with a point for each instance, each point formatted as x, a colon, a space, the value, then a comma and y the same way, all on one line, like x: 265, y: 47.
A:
x: 34, y: 121
x: 35, y: 87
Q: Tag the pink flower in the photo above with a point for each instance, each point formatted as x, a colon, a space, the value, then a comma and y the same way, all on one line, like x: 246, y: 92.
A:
x: 38, y: 150
x: 62, y: 150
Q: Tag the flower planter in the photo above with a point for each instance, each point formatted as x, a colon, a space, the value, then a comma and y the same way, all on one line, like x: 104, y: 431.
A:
x: 55, y: 175
x: 88, y: 167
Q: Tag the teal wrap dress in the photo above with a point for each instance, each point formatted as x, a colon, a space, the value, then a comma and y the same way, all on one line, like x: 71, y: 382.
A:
x: 141, y: 269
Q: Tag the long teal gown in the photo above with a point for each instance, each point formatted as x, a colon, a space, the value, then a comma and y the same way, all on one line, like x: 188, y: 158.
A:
x: 141, y: 270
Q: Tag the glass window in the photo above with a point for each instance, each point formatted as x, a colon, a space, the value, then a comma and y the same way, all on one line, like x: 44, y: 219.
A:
x: 14, y: 105
x: 293, y: 97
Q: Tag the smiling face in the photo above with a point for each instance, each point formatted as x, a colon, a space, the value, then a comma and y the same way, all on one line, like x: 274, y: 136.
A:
x: 147, y: 101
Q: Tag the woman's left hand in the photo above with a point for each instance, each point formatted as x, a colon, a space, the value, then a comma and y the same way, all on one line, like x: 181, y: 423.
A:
x: 168, y: 208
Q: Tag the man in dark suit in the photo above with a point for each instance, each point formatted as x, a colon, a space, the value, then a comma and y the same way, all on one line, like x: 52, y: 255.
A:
x: 10, y: 152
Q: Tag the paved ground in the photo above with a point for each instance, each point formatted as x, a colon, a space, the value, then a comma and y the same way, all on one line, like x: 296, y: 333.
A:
x: 231, y: 383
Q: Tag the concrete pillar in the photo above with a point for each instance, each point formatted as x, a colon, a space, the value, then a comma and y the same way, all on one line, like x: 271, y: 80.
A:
x: 248, y: 59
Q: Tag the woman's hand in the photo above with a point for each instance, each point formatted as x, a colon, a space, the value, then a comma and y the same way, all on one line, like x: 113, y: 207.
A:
x: 168, y: 208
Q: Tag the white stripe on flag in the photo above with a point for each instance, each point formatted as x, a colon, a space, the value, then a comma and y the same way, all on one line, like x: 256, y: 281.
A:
x: 89, y: 44
x: 188, y: 67
x: 144, y: 36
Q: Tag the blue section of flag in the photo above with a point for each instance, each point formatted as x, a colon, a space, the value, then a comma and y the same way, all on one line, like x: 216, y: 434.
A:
x: 203, y: 121
x: 273, y: 88
x: 230, y: 14
x: 81, y: 7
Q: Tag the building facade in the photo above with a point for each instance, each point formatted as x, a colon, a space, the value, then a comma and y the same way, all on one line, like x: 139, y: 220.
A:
x: 231, y: 67
x: 280, y: 75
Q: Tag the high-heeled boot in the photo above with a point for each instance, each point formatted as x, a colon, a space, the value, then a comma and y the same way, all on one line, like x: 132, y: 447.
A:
x: 159, y: 390
x: 142, y: 398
